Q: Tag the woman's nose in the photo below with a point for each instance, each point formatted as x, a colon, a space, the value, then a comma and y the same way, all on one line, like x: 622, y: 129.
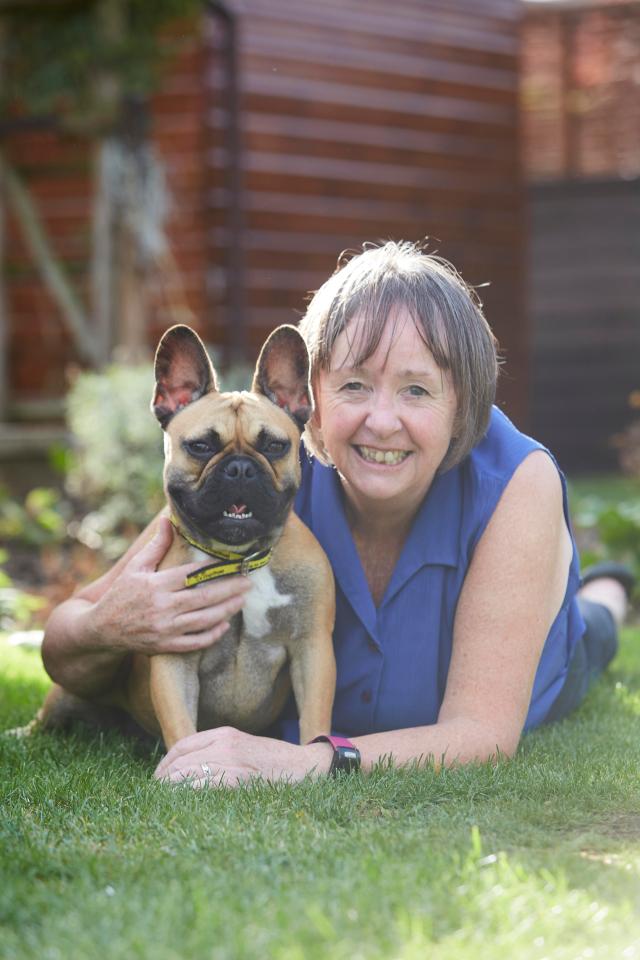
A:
x: 382, y: 416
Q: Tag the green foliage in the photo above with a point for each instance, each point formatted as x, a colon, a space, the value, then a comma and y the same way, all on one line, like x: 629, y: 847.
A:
x: 606, y: 514
x: 17, y: 607
x: 115, y: 466
x: 54, y: 53
x: 40, y: 519
x: 620, y: 529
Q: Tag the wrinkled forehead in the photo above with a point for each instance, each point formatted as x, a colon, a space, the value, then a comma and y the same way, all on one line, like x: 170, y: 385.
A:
x: 238, y: 414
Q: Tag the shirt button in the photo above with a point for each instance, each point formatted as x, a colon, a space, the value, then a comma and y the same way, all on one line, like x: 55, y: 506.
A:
x: 365, y: 696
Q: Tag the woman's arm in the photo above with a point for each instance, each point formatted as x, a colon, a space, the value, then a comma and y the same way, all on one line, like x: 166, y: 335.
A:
x: 512, y: 593
x: 135, y: 608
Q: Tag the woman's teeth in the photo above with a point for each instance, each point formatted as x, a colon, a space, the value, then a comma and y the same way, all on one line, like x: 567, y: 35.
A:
x: 382, y: 456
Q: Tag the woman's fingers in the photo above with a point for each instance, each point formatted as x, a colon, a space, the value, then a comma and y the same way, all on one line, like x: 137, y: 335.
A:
x: 189, y: 746
x: 173, y: 580
x: 187, y: 643
x: 206, y: 618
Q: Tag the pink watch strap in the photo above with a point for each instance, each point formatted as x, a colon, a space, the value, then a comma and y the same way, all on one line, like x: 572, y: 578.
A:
x: 334, y: 741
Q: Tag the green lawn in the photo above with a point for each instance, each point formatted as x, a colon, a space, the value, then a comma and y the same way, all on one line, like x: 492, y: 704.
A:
x: 535, y: 858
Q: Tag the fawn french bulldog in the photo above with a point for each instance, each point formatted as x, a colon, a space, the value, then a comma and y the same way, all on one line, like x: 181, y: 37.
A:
x: 231, y: 473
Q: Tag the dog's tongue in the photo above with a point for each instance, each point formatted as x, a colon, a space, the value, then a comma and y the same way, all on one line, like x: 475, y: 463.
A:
x: 238, y: 508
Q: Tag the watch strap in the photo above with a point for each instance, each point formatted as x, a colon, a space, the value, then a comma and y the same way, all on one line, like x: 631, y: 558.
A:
x: 346, y: 756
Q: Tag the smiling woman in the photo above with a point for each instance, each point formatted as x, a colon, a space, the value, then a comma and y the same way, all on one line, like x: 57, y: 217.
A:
x: 458, y: 620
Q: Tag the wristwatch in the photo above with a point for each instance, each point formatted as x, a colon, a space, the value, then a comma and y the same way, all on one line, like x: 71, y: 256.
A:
x: 346, y: 756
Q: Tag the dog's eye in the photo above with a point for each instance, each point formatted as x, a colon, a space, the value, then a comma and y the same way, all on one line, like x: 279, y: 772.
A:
x: 276, y: 448
x: 199, y: 449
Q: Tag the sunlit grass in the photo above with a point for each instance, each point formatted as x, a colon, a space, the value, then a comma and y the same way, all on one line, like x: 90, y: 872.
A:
x: 534, y: 858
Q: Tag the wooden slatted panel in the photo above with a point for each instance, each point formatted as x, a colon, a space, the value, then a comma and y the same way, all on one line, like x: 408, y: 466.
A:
x: 585, y: 312
x: 359, y: 120
x: 581, y: 108
x: 363, y: 121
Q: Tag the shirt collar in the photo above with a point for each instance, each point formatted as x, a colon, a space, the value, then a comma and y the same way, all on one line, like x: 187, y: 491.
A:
x: 433, y: 539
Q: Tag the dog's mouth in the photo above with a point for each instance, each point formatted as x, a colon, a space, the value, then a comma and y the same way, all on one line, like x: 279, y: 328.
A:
x: 238, y: 512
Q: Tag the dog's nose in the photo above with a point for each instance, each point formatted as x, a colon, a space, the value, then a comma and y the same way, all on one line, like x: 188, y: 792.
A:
x: 239, y: 468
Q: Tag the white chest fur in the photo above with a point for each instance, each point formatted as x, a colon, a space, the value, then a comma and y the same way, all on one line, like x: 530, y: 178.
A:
x: 262, y: 597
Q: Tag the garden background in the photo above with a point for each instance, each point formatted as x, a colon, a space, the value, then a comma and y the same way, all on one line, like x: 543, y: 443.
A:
x: 206, y: 162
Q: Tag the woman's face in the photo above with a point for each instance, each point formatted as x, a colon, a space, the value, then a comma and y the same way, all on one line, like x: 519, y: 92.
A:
x: 386, y: 424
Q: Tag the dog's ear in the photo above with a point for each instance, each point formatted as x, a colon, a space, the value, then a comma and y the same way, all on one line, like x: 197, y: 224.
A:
x: 183, y: 370
x: 282, y: 373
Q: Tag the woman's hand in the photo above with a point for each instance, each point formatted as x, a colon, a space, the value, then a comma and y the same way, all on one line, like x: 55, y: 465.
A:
x: 148, y: 611
x: 135, y: 608
x: 227, y: 757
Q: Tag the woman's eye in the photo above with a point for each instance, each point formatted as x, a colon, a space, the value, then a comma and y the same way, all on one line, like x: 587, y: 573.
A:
x: 353, y: 386
x: 416, y: 391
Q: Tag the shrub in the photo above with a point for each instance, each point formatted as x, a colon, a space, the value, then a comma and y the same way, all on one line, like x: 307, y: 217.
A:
x: 39, y: 520
x: 17, y: 607
x: 115, y: 464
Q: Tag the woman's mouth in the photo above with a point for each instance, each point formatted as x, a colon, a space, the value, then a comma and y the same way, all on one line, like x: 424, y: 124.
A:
x: 389, y: 457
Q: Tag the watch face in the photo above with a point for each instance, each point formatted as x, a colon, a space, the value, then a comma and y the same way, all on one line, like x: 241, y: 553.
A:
x: 345, y: 758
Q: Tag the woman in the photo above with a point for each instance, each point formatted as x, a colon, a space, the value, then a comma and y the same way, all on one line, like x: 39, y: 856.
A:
x: 458, y: 622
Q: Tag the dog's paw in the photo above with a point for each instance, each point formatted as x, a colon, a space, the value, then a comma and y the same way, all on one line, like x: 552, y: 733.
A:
x: 20, y: 732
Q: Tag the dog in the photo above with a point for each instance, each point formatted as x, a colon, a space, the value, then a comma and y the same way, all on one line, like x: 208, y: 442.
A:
x: 231, y: 474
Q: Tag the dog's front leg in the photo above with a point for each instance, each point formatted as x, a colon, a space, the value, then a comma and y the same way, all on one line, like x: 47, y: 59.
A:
x: 175, y: 690
x: 313, y: 675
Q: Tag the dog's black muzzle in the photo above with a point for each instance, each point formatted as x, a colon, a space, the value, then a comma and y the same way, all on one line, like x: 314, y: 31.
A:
x: 236, y: 480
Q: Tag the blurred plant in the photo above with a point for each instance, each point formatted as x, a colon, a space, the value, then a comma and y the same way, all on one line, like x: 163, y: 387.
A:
x: 40, y: 519
x: 17, y: 607
x: 115, y: 464
x: 627, y: 442
x: 606, y: 510
x: 607, y: 522
x: 55, y: 60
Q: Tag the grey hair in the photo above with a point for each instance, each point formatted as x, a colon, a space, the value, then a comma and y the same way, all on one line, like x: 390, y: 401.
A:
x: 447, y: 314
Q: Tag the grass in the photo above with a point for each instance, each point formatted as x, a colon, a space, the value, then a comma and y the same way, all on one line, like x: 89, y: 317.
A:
x: 534, y: 858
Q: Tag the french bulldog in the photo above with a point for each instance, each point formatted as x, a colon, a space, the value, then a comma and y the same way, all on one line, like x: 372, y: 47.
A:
x: 231, y: 473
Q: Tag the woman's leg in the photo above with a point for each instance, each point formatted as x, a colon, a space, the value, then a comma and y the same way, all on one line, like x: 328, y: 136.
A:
x: 608, y: 592
x: 603, y: 604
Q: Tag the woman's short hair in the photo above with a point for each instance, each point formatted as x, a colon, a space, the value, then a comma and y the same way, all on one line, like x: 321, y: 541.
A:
x: 447, y: 314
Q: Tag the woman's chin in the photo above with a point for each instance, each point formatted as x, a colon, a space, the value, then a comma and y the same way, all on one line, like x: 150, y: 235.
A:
x: 375, y: 481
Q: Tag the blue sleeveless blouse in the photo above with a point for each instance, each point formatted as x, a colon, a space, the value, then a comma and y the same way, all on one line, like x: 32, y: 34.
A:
x: 393, y: 660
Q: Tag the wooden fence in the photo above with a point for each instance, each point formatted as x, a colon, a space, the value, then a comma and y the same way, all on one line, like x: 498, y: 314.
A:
x: 585, y: 312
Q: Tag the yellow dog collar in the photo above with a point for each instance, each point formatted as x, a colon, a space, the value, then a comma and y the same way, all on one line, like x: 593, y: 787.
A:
x: 228, y: 561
